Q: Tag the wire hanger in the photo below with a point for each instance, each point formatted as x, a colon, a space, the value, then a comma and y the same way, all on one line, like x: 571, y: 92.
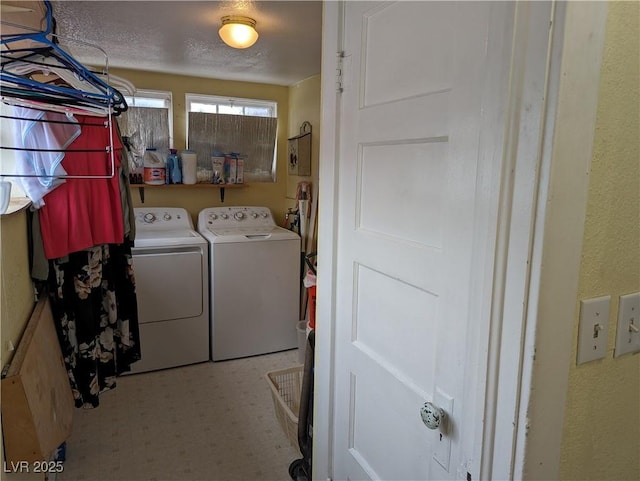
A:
x: 85, y: 92
x: 95, y: 93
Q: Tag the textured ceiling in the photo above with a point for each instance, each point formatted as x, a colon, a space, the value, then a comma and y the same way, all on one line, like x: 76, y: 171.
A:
x: 181, y: 37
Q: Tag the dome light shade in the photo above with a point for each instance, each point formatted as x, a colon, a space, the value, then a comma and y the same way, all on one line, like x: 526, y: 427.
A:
x: 238, y: 32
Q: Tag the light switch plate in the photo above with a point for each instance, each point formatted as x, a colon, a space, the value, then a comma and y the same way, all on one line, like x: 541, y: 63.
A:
x: 594, y: 329
x: 442, y: 441
x: 628, y: 328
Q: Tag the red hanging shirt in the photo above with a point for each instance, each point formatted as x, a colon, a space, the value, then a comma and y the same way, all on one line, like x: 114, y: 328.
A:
x: 82, y: 213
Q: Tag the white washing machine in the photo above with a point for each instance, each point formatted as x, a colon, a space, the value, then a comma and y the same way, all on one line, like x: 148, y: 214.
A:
x: 255, y: 281
x: 171, y: 266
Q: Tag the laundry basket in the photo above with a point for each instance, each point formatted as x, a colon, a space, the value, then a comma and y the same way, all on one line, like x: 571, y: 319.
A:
x: 286, y: 386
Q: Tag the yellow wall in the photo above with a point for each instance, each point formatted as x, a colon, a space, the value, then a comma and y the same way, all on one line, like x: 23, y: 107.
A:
x: 17, y: 300
x: 304, y: 102
x: 601, y: 436
x: 195, y: 199
x: 304, y: 106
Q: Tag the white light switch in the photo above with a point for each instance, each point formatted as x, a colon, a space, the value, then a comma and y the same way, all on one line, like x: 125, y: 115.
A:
x: 594, y: 329
x: 628, y: 329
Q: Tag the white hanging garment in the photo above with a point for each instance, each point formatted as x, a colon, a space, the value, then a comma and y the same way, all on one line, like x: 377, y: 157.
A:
x: 34, y: 130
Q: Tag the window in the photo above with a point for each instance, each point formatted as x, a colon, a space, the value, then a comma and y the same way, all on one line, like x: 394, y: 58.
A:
x: 243, y: 126
x: 148, y: 122
x: 212, y: 104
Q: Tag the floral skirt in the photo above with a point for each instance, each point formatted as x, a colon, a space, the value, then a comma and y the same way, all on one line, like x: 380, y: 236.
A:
x: 93, y: 299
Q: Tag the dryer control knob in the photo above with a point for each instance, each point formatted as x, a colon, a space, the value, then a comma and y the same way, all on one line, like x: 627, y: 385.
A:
x: 213, y: 217
x: 254, y: 215
x: 239, y: 215
x: 149, y: 218
x: 166, y: 216
x: 224, y: 216
x: 264, y: 215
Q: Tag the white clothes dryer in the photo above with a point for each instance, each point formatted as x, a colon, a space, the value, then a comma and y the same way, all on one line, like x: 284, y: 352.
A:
x: 254, y: 279
x: 171, y: 267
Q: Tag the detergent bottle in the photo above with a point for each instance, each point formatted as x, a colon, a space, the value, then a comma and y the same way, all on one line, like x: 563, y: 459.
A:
x: 155, y: 172
x: 174, y: 168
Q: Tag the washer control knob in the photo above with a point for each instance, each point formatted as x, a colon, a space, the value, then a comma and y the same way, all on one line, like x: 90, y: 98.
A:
x: 224, y: 216
x: 239, y: 215
x: 166, y: 216
x: 254, y: 215
x: 213, y: 217
x: 149, y: 217
x: 264, y: 215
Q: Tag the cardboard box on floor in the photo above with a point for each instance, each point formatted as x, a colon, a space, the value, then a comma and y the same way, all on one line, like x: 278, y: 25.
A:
x: 37, y: 403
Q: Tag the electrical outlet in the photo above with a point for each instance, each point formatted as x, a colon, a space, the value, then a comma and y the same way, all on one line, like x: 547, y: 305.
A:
x: 628, y: 329
x: 594, y: 329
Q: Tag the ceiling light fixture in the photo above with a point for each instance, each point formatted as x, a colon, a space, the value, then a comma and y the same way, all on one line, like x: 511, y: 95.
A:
x: 238, y: 32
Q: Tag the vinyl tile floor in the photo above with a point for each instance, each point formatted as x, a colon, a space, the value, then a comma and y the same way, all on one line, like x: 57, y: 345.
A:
x: 209, y: 422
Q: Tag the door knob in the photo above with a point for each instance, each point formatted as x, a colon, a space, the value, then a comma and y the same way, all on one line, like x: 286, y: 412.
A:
x: 432, y: 415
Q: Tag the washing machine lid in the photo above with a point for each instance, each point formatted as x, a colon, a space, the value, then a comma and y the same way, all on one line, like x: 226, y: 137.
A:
x: 241, y: 224
x: 168, y: 238
x: 248, y: 234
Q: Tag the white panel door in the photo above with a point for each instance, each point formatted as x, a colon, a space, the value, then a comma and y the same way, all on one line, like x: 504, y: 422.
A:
x: 412, y: 155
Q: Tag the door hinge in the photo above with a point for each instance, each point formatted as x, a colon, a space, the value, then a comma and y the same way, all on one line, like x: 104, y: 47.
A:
x: 339, y: 72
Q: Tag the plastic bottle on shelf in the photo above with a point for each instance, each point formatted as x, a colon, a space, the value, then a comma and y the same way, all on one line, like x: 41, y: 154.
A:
x: 155, y: 171
x: 174, y: 170
x: 168, y: 166
x: 177, y: 174
x: 189, y: 166
x: 217, y: 165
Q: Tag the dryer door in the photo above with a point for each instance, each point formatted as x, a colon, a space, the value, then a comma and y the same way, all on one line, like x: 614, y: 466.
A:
x: 169, y: 283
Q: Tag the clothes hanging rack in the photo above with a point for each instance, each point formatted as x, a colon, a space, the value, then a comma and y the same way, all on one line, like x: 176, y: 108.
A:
x: 17, y: 74
x: 115, y: 80
x: 24, y: 149
x: 95, y: 97
x: 90, y: 101
x: 100, y: 93
x: 51, y: 104
x: 52, y: 46
x: 91, y: 124
x: 108, y: 150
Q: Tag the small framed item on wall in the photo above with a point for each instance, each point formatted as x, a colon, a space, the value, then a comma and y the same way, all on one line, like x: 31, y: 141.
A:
x: 300, y: 152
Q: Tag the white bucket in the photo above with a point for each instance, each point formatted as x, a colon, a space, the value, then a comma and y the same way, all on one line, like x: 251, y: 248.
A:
x: 301, y: 328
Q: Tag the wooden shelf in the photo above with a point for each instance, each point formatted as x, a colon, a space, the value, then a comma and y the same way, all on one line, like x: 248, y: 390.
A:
x: 221, y: 187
